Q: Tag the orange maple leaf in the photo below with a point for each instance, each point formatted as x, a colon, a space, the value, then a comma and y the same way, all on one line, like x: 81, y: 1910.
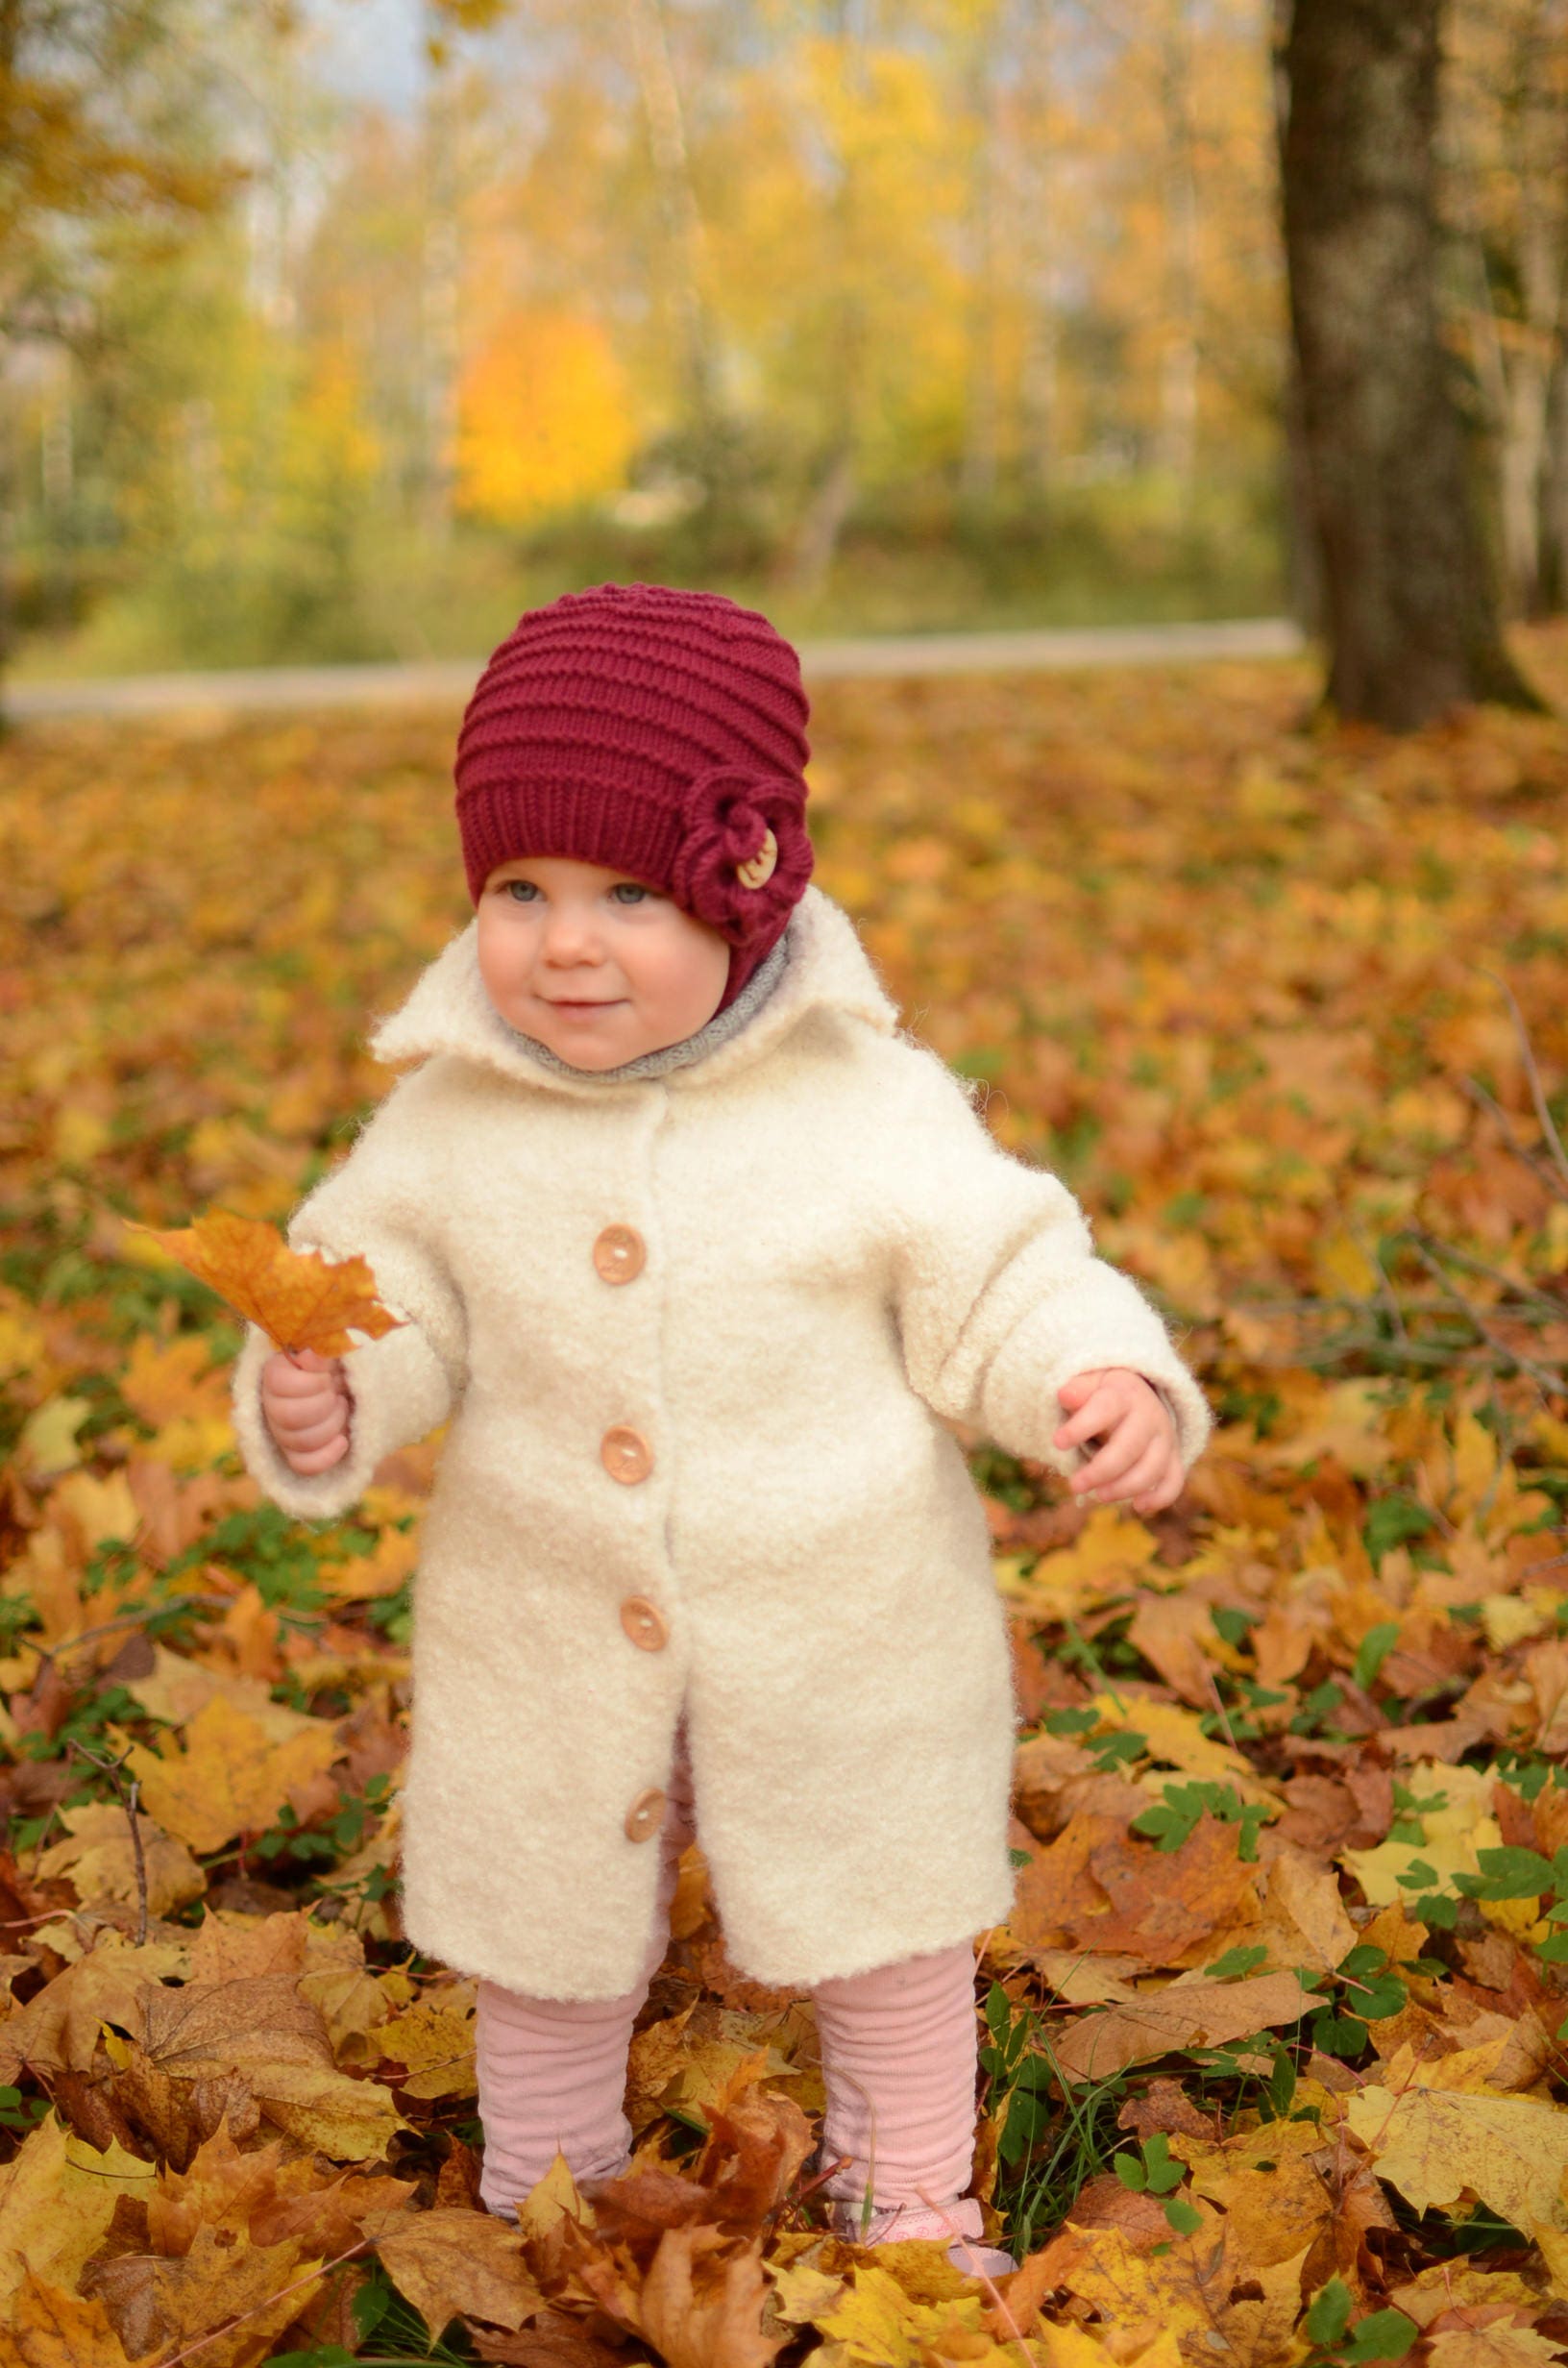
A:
x: 296, y: 1297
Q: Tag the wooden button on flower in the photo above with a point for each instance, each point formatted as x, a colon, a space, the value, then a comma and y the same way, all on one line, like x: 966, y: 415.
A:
x: 758, y: 870
x: 625, y: 1454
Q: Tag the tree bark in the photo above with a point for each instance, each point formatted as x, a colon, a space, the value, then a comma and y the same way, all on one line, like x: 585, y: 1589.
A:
x: 1411, y: 607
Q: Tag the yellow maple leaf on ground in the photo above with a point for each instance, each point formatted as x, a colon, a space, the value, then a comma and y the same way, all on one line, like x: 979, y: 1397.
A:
x: 1434, y: 2144
x: 878, y: 2324
x: 434, y: 2041
x: 53, y: 2329
x: 297, y: 1297
x: 57, y: 2197
x: 231, y: 1778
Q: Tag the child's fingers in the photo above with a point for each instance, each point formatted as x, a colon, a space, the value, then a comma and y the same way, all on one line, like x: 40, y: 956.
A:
x: 1099, y: 1409
x: 1144, y: 1473
x: 306, y: 1461
x: 314, y: 1430
x: 1159, y: 1498
x: 1119, y: 1456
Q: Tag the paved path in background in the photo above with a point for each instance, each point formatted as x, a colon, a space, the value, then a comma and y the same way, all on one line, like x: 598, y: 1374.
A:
x: 450, y: 681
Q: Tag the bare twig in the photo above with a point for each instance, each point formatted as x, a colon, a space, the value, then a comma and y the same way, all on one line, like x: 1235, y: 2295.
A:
x: 1537, y: 1093
x: 126, y: 1619
x: 111, y: 1769
x: 1554, y: 1300
x: 1543, y: 1375
x: 1538, y: 1167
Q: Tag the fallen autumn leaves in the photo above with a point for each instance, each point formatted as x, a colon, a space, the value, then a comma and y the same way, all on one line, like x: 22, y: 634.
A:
x: 1273, y: 2036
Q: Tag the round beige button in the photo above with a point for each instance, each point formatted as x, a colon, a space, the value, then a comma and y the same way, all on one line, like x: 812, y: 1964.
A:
x: 625, y: 1454
x: 645, y: 1623
x: 758, y: 870
x: 620, y: 1254
x: 645, y: 1816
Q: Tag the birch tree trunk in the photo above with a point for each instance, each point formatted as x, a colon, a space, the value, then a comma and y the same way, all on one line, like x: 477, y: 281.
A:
x: 1038, y: 390
x: 1412, y: 613
x: 977, y: 466
x: 679, y: 214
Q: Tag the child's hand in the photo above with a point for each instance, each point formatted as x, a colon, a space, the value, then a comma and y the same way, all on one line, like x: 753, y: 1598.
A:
x: 1137, y: 1458
x: 306, y: 1403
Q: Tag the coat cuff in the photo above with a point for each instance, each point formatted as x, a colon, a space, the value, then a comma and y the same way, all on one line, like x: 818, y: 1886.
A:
x: 400, y: 1391
x: 1111, y: 1323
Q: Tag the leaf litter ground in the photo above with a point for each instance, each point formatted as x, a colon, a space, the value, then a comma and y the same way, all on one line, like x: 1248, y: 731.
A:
x: 1275, y: 2038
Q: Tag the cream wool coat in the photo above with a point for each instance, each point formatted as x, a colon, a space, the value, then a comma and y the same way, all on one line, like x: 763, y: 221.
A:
x: 838, y: 1258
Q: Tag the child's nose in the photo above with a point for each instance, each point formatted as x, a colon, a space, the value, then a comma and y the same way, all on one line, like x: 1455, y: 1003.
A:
x: 570, y: 935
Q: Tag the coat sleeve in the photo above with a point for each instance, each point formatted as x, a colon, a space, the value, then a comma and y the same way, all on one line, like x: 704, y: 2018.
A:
x: 375, y: 1202
x: 999, y: 1298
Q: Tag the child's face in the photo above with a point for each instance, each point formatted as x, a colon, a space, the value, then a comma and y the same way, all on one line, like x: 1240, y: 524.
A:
x: 593, y: 963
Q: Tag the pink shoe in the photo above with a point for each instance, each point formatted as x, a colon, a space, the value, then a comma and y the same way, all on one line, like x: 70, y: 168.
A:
x: 901, y: 2223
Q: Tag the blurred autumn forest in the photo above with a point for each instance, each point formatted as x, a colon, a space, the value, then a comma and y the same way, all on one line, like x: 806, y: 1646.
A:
x: 964, y: 312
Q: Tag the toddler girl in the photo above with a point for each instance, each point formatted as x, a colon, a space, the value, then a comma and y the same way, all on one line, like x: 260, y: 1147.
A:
x: 701, y: 1255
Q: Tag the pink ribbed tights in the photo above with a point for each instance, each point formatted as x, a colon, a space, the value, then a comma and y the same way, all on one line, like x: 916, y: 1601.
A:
x: 898, y: 2066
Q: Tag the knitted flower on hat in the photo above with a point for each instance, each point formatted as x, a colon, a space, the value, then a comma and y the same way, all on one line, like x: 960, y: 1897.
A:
x: 656, y: 732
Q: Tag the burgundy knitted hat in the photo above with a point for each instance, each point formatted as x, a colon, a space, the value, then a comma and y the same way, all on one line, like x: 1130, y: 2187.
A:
x: 656, y: 732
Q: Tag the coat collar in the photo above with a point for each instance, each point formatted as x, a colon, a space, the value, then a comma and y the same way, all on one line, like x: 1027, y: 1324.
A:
x: 449, y: 1011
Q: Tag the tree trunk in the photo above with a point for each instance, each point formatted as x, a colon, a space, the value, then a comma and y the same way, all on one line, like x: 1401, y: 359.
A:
x: 1410, y: 608
x: 1177, y: 443
x: 1035, y: 247
x: 977, y: 466
x: 679, y: 213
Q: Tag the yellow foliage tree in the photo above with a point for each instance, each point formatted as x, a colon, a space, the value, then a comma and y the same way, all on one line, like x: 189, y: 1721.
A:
x: 544, y: 417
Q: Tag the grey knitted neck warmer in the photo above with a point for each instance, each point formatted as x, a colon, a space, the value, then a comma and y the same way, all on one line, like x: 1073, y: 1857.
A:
x: 708, y: 1038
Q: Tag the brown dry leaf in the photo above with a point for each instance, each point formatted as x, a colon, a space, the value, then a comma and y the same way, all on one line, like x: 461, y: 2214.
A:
x: 1303, y: 1892
x: 262, y: 2029
x: 1177, y: 1637
x: 451, y: 2262
x: 157, y: 2305
x: 1502, y: 2344
x: 100, y: 1860
x: 177, y: 1688
x: 299, y: 1299
x: 1184, y: 2014
x: 50, y: 2327
x: 231, y: 1778
x: 56, y: 2031
x: 757, y: 2144
x: 1436, y: 2144
x: 701, y: 2302
x: 272, y: 2194
x: 1084, y: 1978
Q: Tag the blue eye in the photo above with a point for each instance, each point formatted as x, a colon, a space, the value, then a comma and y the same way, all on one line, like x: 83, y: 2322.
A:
x: 629, y: 891
x: 528, y: 891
